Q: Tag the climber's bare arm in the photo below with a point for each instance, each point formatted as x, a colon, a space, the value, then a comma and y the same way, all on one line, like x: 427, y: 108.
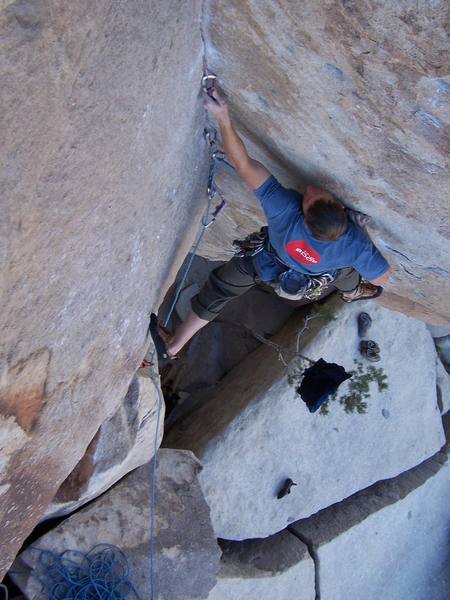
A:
x: 251, y: 171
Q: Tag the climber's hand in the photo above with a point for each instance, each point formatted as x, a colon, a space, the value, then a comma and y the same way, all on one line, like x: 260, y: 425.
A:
x: 217, y: 106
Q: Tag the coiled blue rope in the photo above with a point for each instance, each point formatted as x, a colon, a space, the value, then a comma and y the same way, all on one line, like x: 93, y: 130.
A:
x: 100, y: 574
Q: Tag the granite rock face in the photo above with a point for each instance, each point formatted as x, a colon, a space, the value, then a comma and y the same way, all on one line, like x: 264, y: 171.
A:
x: 353, y: 96
x: 186, y: 553
x: 101, y: 172
x: 438, y: 332
x: 297, y: 583
x: 443, y: 348
x: 255, y: 431
x: 389, y: 540
x: 123, y: 443
x: 276, y: 567
x: 442, y: 386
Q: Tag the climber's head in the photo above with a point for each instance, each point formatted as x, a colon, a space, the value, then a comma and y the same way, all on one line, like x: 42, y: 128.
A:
x: 325, y: 217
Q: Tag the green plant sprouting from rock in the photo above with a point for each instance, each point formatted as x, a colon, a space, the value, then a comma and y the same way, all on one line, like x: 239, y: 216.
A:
x: 358, y: 387
x: 358, y: 391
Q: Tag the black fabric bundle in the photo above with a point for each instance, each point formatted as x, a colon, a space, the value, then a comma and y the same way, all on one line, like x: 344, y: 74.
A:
x: 319, y: 382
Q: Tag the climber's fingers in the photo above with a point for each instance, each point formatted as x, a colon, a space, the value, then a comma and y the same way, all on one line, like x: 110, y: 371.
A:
x: 215, y: 103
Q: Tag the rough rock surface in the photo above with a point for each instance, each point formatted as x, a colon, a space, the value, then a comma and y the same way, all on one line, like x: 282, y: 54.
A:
x: 442, y: 387
x: 353, y: 96
x: 443, y: 348
x: 255, y: 431
x: 276, y: 567
x: 101, y: 172
x: 389, y: 540
x: 123, y: 443
x: 297, y: 583
x: 437, y: 331
x: 103, y: 167
x: 186, y: 552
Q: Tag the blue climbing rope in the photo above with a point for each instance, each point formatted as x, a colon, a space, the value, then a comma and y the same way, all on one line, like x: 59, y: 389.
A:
x: 100, y: 574
x: 154, y: 378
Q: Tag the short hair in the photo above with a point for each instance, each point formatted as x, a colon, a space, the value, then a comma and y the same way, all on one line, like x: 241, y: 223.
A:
x: 326, y: 219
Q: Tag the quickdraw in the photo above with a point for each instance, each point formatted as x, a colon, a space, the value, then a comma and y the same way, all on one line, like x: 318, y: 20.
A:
x: 209, y: 82
x: 209, y: 85
x: 214, y: 155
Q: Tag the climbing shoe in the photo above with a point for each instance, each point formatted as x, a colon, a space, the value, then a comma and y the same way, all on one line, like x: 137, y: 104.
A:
x: 370, y: 350
x: 364, y: 291
x: 364, y: 323
x: 160, y: 337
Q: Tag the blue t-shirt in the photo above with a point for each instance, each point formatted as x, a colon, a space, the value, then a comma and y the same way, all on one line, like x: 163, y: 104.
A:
x: 299, y: 250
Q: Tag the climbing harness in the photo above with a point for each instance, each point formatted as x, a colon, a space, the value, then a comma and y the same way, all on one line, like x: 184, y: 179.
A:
x: 290, y: 284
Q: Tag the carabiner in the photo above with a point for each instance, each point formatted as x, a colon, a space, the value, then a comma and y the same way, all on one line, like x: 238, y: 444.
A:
x: 210, y: 136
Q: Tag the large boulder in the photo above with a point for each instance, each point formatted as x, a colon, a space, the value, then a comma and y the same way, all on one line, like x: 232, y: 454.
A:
x: 279, y: 566
x: 387, y: 541
x: 442, y: 386
x: 390, y: 541
x: 185, y: 552
x: 103, y: 183
x: 352, y: 96
x: 255, y: 431
x: 123, y: 442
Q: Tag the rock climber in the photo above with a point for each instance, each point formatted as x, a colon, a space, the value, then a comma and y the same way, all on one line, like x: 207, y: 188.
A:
x: 310, y: 244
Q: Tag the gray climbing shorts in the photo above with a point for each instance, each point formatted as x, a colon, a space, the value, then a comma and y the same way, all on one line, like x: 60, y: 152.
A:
x: 239, y: 275
x: 226, y: 282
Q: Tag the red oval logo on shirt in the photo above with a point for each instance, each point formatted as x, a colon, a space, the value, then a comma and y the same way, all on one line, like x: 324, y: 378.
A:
x: 302, y: 252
